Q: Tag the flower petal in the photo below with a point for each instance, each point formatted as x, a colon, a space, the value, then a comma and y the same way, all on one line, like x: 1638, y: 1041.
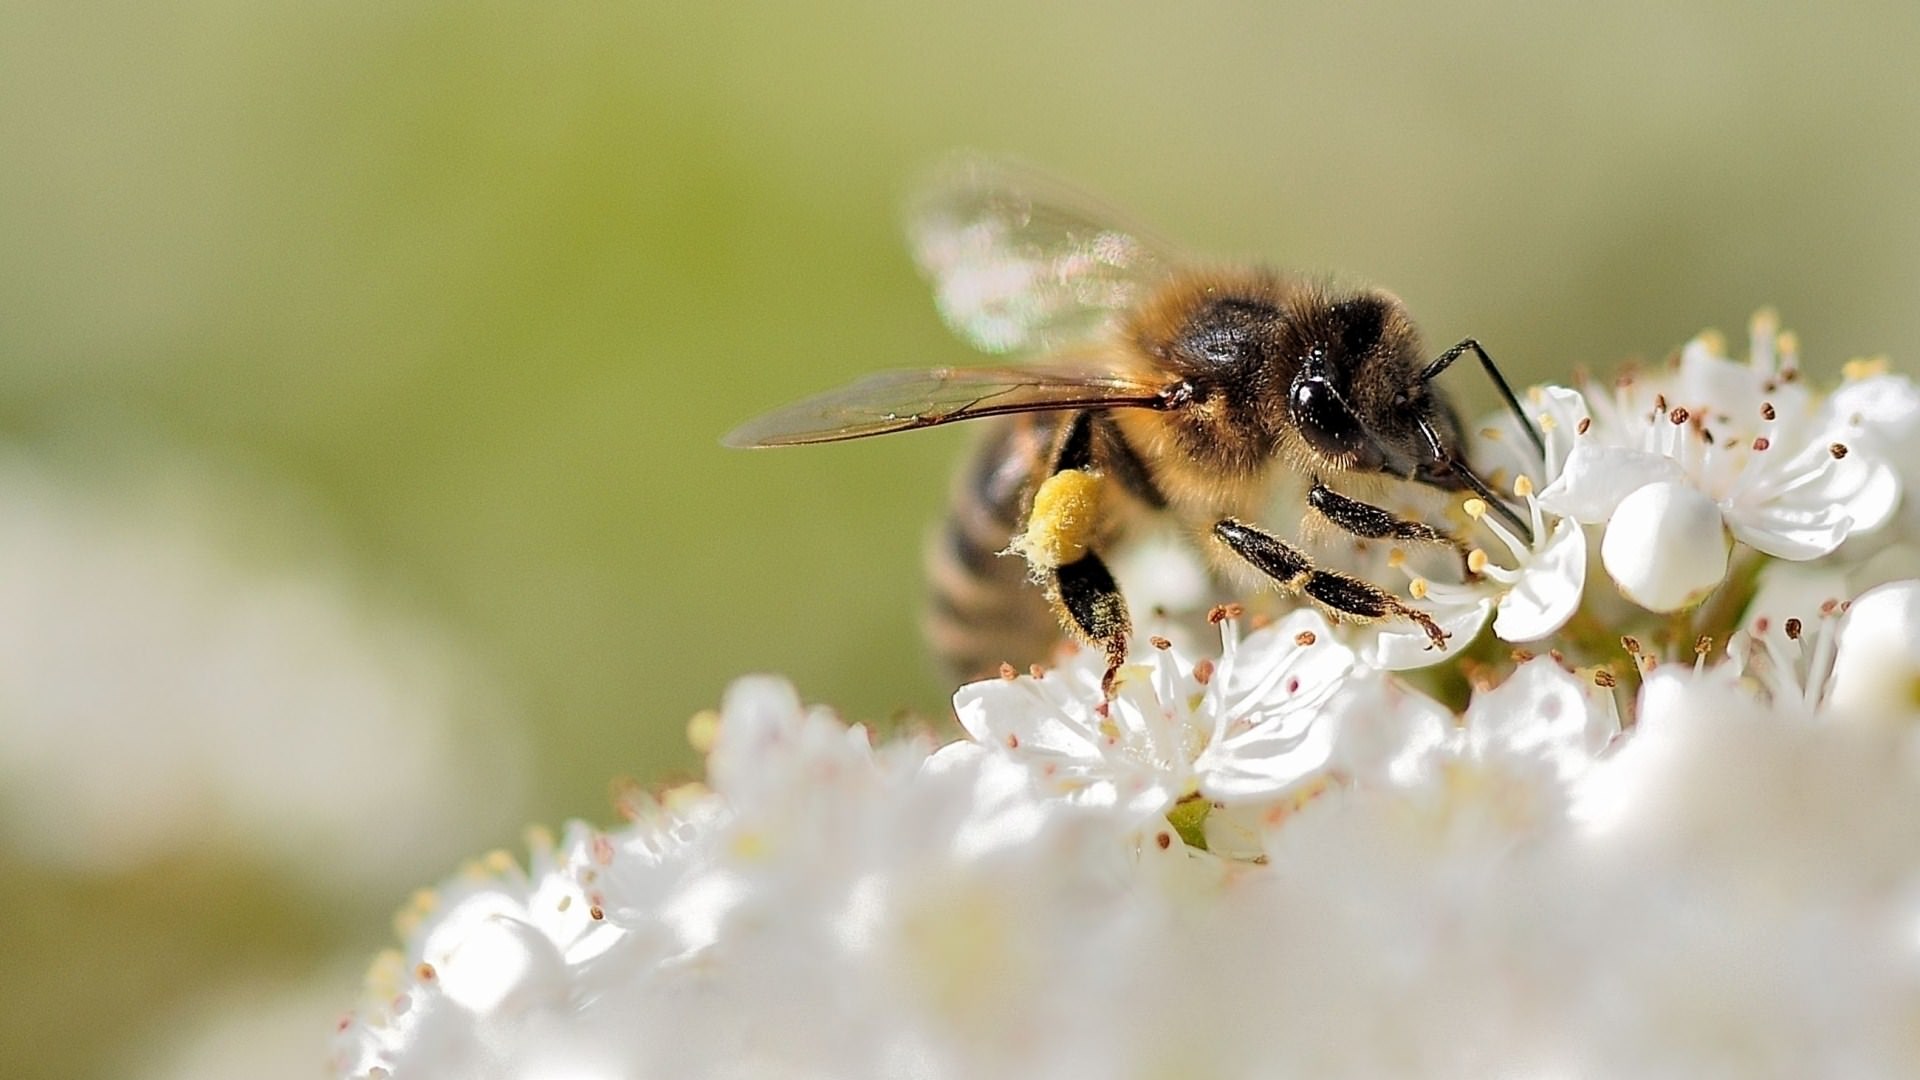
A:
x: 1597, y: 478
x: 1548, y: 592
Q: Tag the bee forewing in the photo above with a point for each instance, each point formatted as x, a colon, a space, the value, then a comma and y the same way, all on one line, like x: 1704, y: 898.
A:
x: 1019, y: 261
x: 905, y: 400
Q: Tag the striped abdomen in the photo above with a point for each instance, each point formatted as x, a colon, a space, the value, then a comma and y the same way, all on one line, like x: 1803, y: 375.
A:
x: 983, y: 610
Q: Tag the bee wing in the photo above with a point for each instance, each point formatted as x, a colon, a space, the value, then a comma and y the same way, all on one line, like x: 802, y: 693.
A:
x: 1020, y: 261
x: 904, y: 400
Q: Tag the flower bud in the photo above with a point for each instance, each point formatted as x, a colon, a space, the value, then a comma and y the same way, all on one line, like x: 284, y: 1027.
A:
x: 1876, y: 664
x: 1665, y: 546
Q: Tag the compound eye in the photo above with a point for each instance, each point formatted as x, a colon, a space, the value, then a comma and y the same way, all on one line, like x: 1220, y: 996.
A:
x: 1325, y: 421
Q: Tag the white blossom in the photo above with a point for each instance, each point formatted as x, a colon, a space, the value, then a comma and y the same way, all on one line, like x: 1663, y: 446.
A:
x: 1746, y: 450
x: 1675, y: 835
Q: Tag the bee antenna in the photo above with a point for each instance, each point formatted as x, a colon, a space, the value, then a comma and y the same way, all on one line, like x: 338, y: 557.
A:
x: 1444, y: 360
x: 1460, y: 468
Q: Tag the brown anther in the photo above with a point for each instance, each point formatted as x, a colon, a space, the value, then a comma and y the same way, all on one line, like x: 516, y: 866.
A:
x: 1304, y: 638
x: 1761, y: 624
x: 1013, y: 741
x: 1165, y: 840
x: 1007, y: 672
x: 1705, y: 434
x: 1217, y: 614
x: 1557, y: 657
x: 1838, y: 450
x: 425, y: 973
x: 1203, y: 672
x: 1793, y: 629
x: 1789, y: 374
x: 1678, y: 416
x: 1520, y: 656
x: 1631, y: 644
x: 1829, y: 606
x: 596, y: 913
x: 1585, y: 423
x: 1234, y: 611
x: 1766, y: 410
x: 1037, y: 671
x: 1703, y: 645
x: 1648, y: 662
x: 1160, y: 643
x: 1659, y: 403
x: 1761, y: 442
x: 1603, y: 677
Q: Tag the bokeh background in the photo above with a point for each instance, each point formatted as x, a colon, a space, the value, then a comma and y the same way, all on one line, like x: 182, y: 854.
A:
x: 362, y: 364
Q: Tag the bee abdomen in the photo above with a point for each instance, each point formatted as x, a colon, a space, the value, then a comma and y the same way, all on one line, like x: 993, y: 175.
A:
x: 984, y: 611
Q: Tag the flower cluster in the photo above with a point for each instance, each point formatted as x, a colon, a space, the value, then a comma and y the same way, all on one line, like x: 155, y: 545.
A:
x: 1678, y: 836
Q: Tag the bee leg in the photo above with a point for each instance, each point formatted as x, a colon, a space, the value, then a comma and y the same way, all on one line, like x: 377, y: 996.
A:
x: 1346, y: 596
x: 1090, y: 605
x: 1370, y: 522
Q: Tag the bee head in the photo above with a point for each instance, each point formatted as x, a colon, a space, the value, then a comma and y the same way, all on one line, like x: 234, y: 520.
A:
x: 1358, y: 399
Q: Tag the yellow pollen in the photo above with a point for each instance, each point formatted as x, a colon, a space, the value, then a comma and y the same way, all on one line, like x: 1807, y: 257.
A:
x: 703, y: 728
x: 681, y: 796
x: 1764, y: 324
x: 1713, y: 341
x: 750, y: 846
x: 1066, y: 514
x: 1547, y: 423
x: 1865, y: 367
x: 1475, y: 508
x: 1417, y: 588
x: 1788, y: 342
x: 1396, y: 558
x: 1522, y: 486
x: 498, y: 861
x: 1477, y: 561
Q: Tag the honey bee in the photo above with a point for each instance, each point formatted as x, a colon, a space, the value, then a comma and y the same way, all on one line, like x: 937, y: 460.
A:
x: 1157, y: 387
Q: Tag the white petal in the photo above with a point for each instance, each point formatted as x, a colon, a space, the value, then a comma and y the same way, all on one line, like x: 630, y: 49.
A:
x: 1665, y: 546
x: 1543, y: 712
x: 1548, y: 591
x: 1876, y: 668
x: 1270, y: 725
x: 1808, y: 506
x: 1597, y: 478
x: 1400, y: 645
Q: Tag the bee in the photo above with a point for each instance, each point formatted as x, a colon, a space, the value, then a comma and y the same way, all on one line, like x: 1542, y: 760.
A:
x: 1154, y: 387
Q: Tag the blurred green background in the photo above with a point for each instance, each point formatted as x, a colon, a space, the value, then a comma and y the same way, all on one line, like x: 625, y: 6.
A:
x: 402, y: 333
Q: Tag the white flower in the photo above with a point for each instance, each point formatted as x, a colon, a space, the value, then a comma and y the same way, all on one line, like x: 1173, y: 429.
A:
x: 1533, y: 586
x: 161, y: 693
x: 1744, y: 448
x: 1242, y: 730
x: 1876, y: 661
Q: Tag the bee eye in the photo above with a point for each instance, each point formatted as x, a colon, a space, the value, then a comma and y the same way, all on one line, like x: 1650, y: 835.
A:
x: 1324, y: 420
